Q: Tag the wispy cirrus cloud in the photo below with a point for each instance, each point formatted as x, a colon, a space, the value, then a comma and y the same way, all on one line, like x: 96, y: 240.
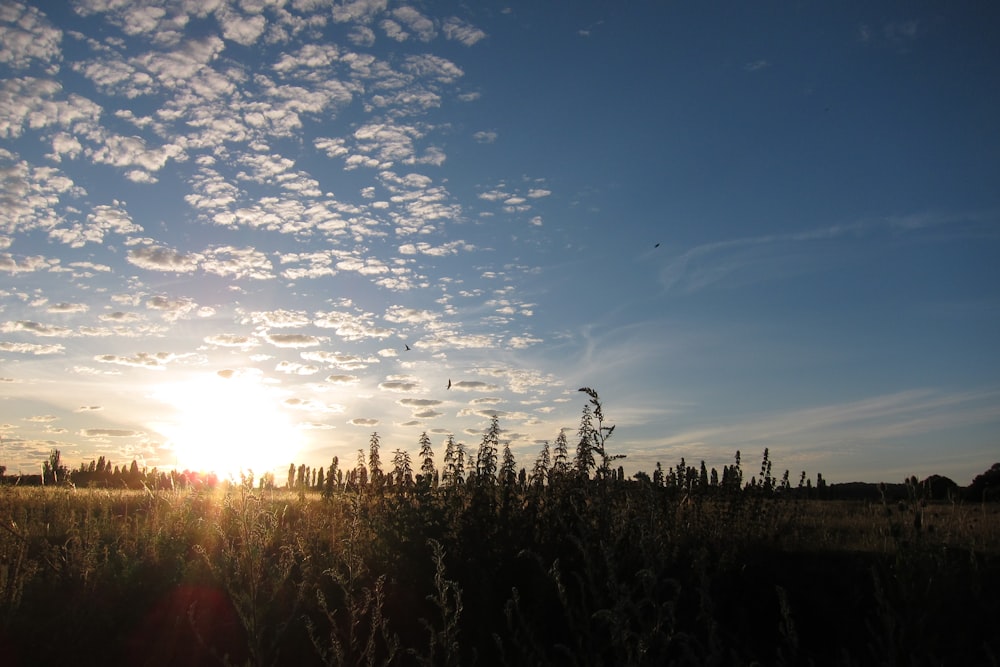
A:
x: 887, y: 417
x: 770, y: 257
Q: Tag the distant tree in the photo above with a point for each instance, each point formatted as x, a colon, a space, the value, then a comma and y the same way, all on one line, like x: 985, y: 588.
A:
x: 938, y: 487
x: 134, y: 475
x: 320, y: 479
x: 291, y: 475
x: 53, y: 470
x: 658, y: 479
x: 985, y: 486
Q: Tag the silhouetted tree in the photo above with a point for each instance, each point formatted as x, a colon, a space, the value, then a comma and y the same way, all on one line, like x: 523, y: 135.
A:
x: 986, y: 485
x: 53, y: 470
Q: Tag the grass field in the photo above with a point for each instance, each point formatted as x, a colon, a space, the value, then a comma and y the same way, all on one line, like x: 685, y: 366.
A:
x: 575, y: 572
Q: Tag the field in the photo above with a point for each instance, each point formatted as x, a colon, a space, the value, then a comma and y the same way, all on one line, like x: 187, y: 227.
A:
x: 498, y: 571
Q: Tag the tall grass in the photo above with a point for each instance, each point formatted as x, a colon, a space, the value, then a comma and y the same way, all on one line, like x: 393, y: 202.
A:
x: 574, y: 572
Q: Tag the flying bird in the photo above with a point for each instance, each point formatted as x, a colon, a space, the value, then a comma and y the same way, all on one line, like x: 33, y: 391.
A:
x: 657, y: 245
x: 406, y: 346
x: 449, y: 384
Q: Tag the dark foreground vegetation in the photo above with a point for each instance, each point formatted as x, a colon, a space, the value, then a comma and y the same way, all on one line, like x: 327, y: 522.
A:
x: 570, y: 564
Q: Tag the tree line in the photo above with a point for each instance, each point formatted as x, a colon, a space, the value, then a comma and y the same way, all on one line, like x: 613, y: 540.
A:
x: 494, y: 465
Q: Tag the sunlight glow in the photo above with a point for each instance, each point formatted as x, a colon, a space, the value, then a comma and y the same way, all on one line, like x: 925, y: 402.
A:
x: 227, y: 425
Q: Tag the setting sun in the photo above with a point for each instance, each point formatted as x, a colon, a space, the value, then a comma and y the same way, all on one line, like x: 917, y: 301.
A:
x: 227, y: 425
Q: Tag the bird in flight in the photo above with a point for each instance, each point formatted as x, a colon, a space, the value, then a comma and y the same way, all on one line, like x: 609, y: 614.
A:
x: 657, y: 245
x: 449, y: 384
x: 406, y: 346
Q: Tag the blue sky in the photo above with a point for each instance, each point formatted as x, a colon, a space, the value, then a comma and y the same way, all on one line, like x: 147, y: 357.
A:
x: 746, y: 227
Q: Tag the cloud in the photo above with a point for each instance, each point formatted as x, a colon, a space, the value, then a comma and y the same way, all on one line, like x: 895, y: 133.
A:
x: 172, y: 309
x: 360, y: 11
x: 158, y: 258
x: 342, y: 379
x: 349, y: 362
x: 245, y: 30
x: 102, y: 221
x: 352, y: 326
x: 460, y: 31
x: 405, y: 315
x: 68, y: 308
x: 26, y: 264
x: 109, y: 433
x: 473, y: 385
x: 756, y: 65
x: 41, y: 419
x: 293, y: 368
x: 232, y: 340
x: 277, y: 319
x: 893, y: 416
x: 35, y: 328
x: 29, y: 348
x: 239, y: 263
x: 417, y: 23
x: 157, y: 361
x: 292, y: 340
x: 399, y: 384
x: 27, y: 37
x: 358, y: 421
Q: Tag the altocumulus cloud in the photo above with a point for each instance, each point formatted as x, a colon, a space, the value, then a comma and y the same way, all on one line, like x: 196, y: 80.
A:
x: 109, y: 433
x: 292, y: 340
x: 158, y: 258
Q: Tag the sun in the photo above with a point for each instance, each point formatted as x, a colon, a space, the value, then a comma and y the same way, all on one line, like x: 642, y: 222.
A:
x: 227, y: 425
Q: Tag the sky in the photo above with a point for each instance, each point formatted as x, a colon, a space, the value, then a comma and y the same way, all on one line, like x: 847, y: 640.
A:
x: 248, y: 233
